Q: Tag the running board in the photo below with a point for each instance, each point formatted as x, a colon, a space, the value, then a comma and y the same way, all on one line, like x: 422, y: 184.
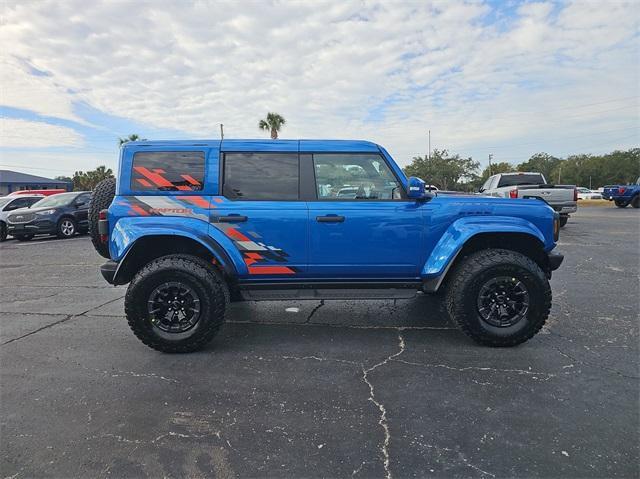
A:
x: 344, y: 291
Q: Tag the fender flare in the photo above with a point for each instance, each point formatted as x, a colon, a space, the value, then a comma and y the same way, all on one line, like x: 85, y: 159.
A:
x: 459, y: 233
x: 127, y: 232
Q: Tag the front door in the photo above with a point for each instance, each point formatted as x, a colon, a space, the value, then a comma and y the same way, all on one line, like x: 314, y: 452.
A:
x: 360, y: 224
x: 262, y: 213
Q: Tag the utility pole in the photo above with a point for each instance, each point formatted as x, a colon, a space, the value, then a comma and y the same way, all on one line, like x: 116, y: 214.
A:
x: 429, y: 155
x: 221, y: 131
x: 490, y: 158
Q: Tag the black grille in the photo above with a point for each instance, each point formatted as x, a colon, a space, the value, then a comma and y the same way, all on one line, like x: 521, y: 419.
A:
x: 22, y: 217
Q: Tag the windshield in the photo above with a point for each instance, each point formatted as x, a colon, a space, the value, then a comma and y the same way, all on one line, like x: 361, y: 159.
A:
x: 4, y: 201
x: 523, y: 179
x: 60, y: 199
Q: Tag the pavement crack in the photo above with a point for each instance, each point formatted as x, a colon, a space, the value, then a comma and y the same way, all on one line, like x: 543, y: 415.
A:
x: 383, y: 421
x: 313, y: 311
x: 68, y: 317
x: 527, y: 372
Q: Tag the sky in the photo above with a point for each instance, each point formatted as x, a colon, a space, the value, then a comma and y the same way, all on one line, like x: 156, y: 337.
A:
x: 504, y: 78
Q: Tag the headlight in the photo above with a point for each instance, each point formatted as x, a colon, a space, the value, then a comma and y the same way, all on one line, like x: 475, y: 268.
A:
x: 45, y: 212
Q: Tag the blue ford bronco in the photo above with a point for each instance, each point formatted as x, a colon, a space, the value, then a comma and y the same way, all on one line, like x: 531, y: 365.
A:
x: 193, y: 225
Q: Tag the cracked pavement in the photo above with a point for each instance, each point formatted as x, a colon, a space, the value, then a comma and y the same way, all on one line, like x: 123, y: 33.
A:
x: 384, y: 389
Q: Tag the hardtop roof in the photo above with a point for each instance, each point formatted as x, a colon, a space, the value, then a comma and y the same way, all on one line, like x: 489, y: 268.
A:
x: 264, y: 145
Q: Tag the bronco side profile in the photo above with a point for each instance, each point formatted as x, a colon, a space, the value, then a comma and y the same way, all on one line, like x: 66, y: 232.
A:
x: 193, y: 225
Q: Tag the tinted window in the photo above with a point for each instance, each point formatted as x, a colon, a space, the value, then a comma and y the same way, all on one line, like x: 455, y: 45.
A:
x: 354, y: 177
x: 261, y: 176
x: 168, y: 171
x: 515, y: 180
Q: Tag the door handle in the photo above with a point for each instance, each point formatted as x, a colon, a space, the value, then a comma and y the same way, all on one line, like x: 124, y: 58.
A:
x: 330, y: 219
x: 231, y: 219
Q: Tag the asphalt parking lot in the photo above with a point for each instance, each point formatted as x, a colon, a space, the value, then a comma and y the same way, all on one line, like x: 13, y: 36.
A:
x: 310, y: 389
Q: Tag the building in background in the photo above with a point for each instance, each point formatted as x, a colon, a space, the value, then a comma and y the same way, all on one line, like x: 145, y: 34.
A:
x: 13, y: 181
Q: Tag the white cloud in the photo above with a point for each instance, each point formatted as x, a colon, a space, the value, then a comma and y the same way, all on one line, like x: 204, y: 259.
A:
x: 16, y: 133
x: 386, y: 71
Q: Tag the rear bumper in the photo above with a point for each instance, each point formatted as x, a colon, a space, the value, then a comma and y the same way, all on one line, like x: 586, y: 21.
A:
x: 108, y: 271
x: 554, y: 260
x: 565, y: 208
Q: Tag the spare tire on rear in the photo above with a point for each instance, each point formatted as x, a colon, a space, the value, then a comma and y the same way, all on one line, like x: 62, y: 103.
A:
x: 103, y: 195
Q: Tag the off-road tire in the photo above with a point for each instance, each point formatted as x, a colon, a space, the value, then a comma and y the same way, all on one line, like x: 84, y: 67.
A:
x: 3, y: 231
x: 23, y: 237
x: 635, y: 203
x: 196, y: 273
x: 62, y: 232
x: 621, y: 204
x: 103, y: 195
x: 563, y: 220
x: 475, y: 270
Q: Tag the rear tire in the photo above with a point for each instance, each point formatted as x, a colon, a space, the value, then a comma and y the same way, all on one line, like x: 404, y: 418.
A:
x: 636, y: 202
x: 103, y: 195
x: 620, y: 203
x: 176, y: 303
x: 563, y: 220
x: 498, y: 297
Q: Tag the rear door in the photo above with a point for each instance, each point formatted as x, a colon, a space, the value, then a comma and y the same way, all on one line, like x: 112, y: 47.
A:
x: 261, y: 210
x: 361, y: 226
x: 81, y: 210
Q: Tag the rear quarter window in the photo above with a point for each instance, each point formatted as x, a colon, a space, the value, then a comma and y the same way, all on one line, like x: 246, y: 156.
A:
x: 168, y: 171
x: 515, y: 180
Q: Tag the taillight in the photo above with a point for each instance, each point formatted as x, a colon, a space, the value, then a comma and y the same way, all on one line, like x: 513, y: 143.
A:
x: 103, y: 226
x: 556, y: 227
x: 513, y: 193
x: 575, y: 194
x: 621, y: 190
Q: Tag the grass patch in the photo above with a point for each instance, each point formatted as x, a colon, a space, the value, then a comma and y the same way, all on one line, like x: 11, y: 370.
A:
x: 595, y: 203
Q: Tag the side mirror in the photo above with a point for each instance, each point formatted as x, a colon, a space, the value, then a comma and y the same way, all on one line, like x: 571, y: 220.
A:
x: 416, y: 190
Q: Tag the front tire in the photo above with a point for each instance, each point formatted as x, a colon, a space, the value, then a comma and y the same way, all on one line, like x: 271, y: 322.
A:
x: 635, y: 203
x: 67, y: 228
x: 176, y: 303
x: 621, y: 203
x: 498, y: 297
x: 3, y: 231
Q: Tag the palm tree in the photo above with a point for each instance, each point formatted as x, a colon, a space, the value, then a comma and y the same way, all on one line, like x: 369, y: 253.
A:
x: 133, y: 137
x: 273, y: 122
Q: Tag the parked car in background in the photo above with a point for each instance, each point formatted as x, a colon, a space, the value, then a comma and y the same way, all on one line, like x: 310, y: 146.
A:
x: 37, y: 192
x: 12, y: 203
x: 623, y: 195
x: 562, y: 198
x: 587, y: 194
x: 64, y: 215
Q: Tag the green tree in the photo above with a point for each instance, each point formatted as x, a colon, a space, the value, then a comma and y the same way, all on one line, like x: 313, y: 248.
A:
x: 87, y: 180
x: 132, y: 137
x: 445, y: 171
x: 274, y: 123
x: 541, y: 163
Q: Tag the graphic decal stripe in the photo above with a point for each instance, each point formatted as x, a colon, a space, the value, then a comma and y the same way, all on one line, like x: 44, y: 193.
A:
x: 157, y: 179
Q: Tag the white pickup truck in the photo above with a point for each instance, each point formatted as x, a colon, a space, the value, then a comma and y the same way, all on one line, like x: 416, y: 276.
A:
x: 562, y: 198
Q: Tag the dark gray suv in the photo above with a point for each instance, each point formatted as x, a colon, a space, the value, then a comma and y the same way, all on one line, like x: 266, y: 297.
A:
x: 64, y: 215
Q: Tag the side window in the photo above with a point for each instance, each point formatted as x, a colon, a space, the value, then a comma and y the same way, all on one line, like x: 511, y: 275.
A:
x: 168, y: 171
x: 85, y: 199
x: 18, y: 203
x: 33, y: 201
x: 261, y: 176
x: 344, y: 176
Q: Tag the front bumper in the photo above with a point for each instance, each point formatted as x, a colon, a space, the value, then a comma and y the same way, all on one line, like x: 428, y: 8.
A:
x: 554, y: 260
x: 36, y: 227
